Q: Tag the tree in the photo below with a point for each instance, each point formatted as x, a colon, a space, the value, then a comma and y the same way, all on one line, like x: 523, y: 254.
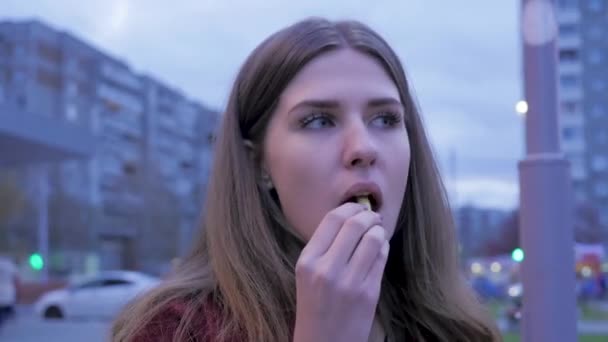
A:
x: 12, y: 199
x: 157, y: 217
x: 587, y: 226
x: 71, y: 222
x: 507, y: 239
x: 12, y: 205
x: 587, y: 229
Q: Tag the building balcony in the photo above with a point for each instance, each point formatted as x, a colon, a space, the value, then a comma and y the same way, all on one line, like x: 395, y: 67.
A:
x: 570, y: 42
x: 28, y: 138
x: 568, y: 16
x: 571, y: 93
x: 570, y: 67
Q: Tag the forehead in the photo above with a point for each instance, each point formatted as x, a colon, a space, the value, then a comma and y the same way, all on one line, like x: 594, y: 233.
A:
x: 344, y: 75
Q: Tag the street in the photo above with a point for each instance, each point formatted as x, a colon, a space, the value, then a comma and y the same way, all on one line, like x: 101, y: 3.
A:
x: 27, y: 328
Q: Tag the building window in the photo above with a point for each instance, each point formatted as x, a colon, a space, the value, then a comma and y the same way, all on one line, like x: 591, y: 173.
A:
x: 571, y: 133
x: 595, y: 32
x: 595, y: 5
x: 72, y: 89
x: 129, y: 168
x: 599, y: 163
x: 49, y: 52
x: 568, y: 55
x: 21, y: 101
x: 569, y: 81
x: 568, y: 30
x: 19, y: 51
x: 570, y: 106
x: 48, y: 79
x: 571, y: 4
x: 211, y: 138
x: 598, y: 85
x: 19, y: 77
x: 595, y: 56
x: 601, y: 189
x: 601, y: 137
x: 597, y: 111
x: 577, y: 168
x: 604, y: 217
x: 580, y: 195
x: 71, y: 112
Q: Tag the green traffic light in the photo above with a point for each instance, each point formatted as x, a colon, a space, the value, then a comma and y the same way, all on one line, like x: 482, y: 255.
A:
x: 517, y: 255
x: 36, y: 261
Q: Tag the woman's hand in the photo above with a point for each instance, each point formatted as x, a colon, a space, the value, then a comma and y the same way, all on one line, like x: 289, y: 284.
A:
x: 338, y: 276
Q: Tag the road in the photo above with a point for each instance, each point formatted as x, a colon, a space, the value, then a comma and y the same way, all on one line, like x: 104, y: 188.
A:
x: 27, y: 328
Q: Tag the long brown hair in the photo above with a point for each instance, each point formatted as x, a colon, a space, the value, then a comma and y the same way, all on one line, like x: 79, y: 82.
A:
x: 245, y: 256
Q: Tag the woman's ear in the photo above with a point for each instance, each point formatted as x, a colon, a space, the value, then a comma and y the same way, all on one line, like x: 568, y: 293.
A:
x: 266, y: 180
x: 255, y: 156
x: 250, y: 149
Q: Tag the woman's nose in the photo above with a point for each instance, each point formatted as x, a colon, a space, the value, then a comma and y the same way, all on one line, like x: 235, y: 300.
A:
x: 359, y: 147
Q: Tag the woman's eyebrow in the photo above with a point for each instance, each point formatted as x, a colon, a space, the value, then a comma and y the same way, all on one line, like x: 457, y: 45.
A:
x: 332, y: 104
x: 317, y: 103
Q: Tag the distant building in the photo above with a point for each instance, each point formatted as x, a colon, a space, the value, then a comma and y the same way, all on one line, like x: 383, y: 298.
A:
x: 152, y: 144
x: 583, y: 75
x: 477, y: 226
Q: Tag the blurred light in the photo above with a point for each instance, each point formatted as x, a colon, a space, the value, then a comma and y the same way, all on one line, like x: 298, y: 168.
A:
x: 521, y: 108
x: 586, y: 271
x: 36, y: 261
x: 476, y: 268
x: 605, y: 267
x: 515, y: 290
x: 517, y: 255
x: 496, y: 267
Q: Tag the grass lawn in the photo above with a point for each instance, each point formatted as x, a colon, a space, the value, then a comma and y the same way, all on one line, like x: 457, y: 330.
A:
x: 589, y: 313
x: 582, y: 338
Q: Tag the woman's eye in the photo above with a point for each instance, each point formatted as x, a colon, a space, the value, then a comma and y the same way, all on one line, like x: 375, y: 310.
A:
x: 387, y: 119
x: 316, y: 121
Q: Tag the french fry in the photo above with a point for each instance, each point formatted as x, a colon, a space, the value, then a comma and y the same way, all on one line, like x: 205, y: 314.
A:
x: 365, y: 201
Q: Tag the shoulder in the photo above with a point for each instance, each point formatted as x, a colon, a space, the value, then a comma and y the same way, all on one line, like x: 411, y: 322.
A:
x: 199, y: 321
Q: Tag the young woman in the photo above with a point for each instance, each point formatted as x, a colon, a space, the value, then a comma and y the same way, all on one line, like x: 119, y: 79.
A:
x: 326, y: 219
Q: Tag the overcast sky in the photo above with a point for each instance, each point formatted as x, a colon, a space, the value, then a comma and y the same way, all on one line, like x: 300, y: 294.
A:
x: 464, y: 63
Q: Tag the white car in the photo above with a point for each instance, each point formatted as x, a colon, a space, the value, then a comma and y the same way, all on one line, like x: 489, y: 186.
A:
x: 101, y: 296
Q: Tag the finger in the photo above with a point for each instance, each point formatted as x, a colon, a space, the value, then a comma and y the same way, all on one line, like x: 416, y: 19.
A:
x: 350, y: 235
x: 366, y: 253
x: 329, y: 227
x: 374, y: 277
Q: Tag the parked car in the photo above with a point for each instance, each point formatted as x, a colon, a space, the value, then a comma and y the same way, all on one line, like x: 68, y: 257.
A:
x: 101, y: 296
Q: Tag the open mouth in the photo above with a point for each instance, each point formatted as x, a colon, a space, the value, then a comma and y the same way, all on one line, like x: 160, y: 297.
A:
x: 373, y: 201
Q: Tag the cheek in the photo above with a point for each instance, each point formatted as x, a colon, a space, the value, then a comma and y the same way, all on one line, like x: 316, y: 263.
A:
x: 399, y: 174
x: 298, y: 186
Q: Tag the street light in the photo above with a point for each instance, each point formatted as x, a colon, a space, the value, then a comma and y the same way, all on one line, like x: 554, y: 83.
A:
x: 521, y: 107
x: 36, y: 262
x: 517, y: 255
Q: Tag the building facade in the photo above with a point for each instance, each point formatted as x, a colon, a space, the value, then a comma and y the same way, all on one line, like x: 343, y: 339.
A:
x: 141, y: 185
x: 583, y: 75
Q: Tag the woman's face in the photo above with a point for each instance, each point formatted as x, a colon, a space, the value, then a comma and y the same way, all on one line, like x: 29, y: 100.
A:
x: 338, y: 131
